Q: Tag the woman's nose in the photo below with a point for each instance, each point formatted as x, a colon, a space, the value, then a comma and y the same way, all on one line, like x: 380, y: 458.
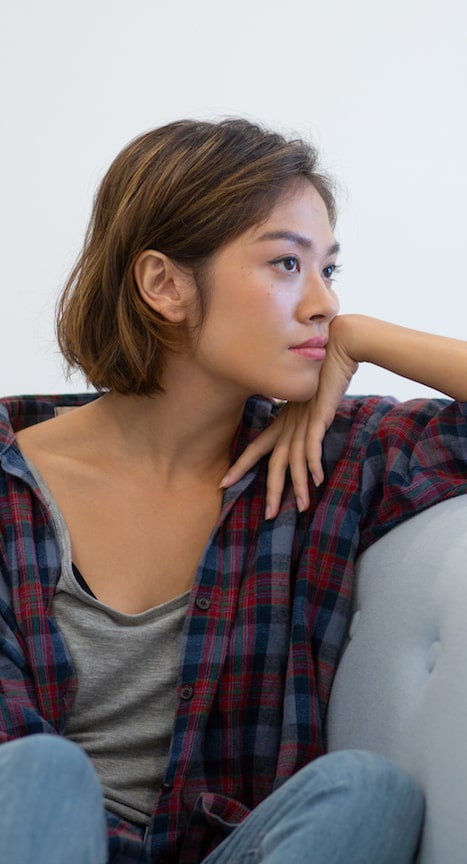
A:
x: 320, y: 302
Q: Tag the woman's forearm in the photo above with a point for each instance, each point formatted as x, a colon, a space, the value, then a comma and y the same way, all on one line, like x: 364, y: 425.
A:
x: 436, y: 361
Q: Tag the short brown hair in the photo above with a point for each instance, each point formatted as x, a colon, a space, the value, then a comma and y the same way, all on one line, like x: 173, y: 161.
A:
x: 184, y: 189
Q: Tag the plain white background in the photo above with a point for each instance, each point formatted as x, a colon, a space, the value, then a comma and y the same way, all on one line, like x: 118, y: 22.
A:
x: 380, y: 87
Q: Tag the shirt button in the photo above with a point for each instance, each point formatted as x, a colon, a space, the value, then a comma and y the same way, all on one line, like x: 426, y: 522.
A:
x: 202, y: 603
x: 167, y: 787
x: 186, y: 692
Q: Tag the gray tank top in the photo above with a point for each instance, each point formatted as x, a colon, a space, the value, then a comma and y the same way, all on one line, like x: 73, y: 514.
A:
x: 127, y: 668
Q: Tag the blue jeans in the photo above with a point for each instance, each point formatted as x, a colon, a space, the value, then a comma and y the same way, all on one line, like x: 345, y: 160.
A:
x: 349, y: 807
x: 51, y: 805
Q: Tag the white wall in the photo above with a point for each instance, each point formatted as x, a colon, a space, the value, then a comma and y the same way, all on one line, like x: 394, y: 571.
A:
x: 380, y: 86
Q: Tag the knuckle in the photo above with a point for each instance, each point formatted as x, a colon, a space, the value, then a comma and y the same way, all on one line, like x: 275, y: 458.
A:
x: 278, y: 460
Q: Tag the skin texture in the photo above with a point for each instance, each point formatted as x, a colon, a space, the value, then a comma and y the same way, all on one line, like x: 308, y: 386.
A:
x: 296, y: 438
x: 270, y: 290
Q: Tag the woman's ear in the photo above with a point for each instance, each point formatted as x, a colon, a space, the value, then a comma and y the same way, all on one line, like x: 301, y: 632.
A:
x: 163, y: 285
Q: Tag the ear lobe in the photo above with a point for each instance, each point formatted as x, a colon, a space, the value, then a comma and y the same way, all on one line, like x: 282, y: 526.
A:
x: 160, y: 284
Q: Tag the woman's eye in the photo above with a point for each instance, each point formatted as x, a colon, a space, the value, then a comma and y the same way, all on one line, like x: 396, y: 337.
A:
x: 289, y: 263
x: 329, y: 271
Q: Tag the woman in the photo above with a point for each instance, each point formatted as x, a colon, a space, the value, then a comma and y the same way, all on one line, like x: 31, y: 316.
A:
x: 183, y: 631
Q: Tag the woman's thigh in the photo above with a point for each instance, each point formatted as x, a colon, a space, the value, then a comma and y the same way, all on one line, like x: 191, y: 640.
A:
x: 349, y: 807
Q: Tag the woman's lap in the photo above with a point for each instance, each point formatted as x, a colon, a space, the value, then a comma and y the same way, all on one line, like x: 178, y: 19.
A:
x: 349, y: 807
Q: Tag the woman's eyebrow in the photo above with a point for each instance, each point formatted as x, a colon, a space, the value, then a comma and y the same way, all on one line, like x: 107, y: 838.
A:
x: 294, y: 237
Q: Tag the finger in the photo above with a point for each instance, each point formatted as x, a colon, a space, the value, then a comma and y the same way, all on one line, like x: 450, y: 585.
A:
x: 277, y: 468
x: 315, y: 468
x: 299, y: 466
x: 259, y: 447
x: 314, y: 451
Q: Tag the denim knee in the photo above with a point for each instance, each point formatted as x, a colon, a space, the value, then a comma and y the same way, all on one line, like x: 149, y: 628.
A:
x: 377, y: 781
x: 371, y: 769
x: 53, y: 779
x: 51, y: 754
x: 348, y: 806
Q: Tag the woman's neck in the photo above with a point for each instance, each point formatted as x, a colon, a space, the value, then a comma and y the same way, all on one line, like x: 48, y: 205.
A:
x: 188, y: 437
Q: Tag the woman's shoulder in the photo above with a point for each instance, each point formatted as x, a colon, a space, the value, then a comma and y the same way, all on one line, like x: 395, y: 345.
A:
x: 39, y: 431
x: 21, y: 412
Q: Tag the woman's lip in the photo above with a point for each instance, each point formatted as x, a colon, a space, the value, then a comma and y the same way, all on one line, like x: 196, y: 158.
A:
x: 313, y: 349
x: 311, y: 352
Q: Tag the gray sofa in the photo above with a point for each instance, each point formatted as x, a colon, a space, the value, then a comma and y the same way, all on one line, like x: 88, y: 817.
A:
x: 401, y: 684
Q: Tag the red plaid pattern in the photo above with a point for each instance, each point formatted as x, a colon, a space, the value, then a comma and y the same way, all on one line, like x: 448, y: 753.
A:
x: 267, y: 613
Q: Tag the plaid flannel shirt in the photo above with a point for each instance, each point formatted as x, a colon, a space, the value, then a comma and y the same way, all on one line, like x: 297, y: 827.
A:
x: 267, y: 613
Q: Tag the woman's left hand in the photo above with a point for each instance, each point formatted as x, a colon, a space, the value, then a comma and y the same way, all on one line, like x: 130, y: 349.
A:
x: 296, y: 435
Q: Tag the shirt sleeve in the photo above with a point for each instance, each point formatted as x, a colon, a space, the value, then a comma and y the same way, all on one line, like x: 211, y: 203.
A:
x: 20, y: 713
x: 413, y: 455
x: 37, y: 678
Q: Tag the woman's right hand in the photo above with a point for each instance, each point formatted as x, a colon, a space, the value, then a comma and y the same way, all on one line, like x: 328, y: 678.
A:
x: 297, y: 434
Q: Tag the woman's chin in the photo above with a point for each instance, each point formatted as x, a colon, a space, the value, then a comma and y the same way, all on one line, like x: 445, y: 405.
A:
x: 293, y: 394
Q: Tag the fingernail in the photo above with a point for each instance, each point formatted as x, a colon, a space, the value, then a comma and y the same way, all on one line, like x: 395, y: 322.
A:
x: 300, y: 505
x: 268, y: 512
x: 316, y: 481
x: 224, y: 481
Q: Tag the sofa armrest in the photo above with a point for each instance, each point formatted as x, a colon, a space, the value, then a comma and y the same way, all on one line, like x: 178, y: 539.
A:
x: 401, y: 685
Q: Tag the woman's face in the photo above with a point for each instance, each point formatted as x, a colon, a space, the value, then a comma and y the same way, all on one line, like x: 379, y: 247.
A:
x: 271, y: 303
